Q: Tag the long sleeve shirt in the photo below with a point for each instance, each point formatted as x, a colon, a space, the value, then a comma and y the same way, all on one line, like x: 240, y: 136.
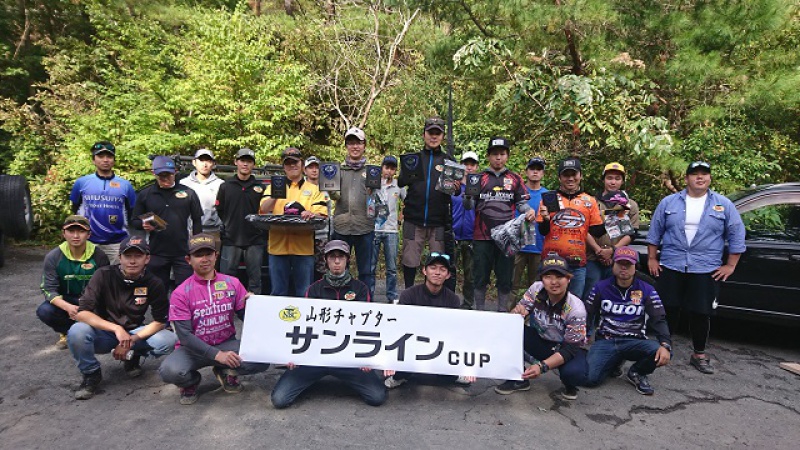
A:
x: 623, y: 311
x: 563, y: 323
x: 67, y: 277
x: 178, y: 206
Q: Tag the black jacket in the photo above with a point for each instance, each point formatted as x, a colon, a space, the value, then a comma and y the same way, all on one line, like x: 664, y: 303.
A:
x: 424, y: 206
x: 235, y: 200
x: 176, y: 206
x: 355, y: 289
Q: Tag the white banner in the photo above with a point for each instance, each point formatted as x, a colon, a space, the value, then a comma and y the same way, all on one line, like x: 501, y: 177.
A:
x: 405, y: 338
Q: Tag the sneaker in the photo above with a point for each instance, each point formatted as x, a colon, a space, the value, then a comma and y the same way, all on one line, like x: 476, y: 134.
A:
x: 511, y: 386
x: 189, y: 394
x: 132, y: 367
x: 392, y: 382
x: 703, y: 364
x: 229, y: 380
x: 569, y: 393
x: 640, y: 381
x: 62, y: 341
x: 462, y: 380
x: 89, y: 385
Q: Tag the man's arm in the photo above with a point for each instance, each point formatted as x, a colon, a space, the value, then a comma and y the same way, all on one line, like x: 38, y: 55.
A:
x: 50, y: 285
x: 75, y: 197
x: 139, y: 208
x: 196, y: 212
x: 183, y: 328
x: 130, y: 202
x: 267, y: 202
x: 219, y: 204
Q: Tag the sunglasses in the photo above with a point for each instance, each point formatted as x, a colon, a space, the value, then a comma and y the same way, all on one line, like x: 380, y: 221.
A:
x: 697, y: 164
x: 109, y: 147
x: 440, y: 255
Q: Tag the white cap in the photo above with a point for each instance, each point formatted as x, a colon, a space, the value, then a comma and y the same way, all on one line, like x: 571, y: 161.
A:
x: 357, y: 132
x: 470, y: 155
x: 203, y: 151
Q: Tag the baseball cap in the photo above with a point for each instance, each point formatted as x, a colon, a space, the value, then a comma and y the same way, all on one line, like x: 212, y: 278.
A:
x: 136, y: 242
x: 291, y: 153
x: 436, y: 257
x: 356, y: 132
x: 434, y: 123
x: 698, y: 165
x: 626, y: 253
x: 536, y: 161
x: 76, y: 221
x: 389, y: 160
x: 163, y: 164
x: 554, y: 263
x: 202, y: 241
x: 245, y: 153
x: 614, y: 166
x: 569, y: 164
x: 337, y: 245
x: 498, y: 142
x: 204, y: 152
x: 103, y: 146
x: 311, y: 160
x: 616, y: 200
x: 470, y: 155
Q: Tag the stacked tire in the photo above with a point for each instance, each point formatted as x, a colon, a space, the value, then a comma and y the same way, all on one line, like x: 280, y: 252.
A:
x: 16, y: 212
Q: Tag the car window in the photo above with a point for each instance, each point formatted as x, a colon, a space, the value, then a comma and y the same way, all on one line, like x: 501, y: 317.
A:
x: 773, y: 222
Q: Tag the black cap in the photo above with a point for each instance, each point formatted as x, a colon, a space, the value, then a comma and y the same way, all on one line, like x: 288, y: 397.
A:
x: 434, y: 123
x: 202, y: 241
x: 136, y: 242
x: 436, y: 257
x: 291, y: 153
x: 498, y: 142
x: 697, y: 166
x: 569, y: 164
x: 389, y: 160
x: 103, y: 146
x: 554, y: 263
x: 245, y: 153
x: 536, y: 161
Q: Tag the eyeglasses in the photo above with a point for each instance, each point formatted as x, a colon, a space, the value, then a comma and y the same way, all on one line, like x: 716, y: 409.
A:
x: 440, y: 255
x: 109, y: 147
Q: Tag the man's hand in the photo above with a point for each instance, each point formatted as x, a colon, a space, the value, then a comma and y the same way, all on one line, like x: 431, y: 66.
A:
x: 470, y: 379
x: 307, y: 215
x: 290, y: 366
x: 654, y: 267
x: 120, y: 352
x: 71, y: 310
x: 230, y: 359
x: 521, y: 310
x: 125, y: 339
x: 388, y: 373
x: 366, y: 369
x: 148, y: 226
x: 605, y: 253
x: 544, y: 213
x: 723, y: 272
x: 530, y: 216
x: 662, y: 357
x: 532, y: 372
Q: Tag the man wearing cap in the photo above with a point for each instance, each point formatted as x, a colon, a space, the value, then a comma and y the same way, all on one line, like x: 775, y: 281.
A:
x: 503, y: 193
x: 566, y: 217
x: 205, y: 183
x: 291, y: 251
x: 426, y: 211
x: 202, y: 310
x: 111, y: 315
x: 432, y: 292
x: 387, y: 206
x: 106, y: 200
x: 530, y: 256
x: 336, y: 284
x: 352, y: 220
x: 620, y: 216
x: 692, y: 228
x: 67, y: 270
x: 176, y: 205
x: 321, y: 236
x: 556, y: 336
x: 464, y: 229
x: 623, y: 302
x: 238, y: 197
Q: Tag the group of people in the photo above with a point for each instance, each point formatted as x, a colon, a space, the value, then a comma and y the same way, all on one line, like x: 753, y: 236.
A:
x: 575, y: 277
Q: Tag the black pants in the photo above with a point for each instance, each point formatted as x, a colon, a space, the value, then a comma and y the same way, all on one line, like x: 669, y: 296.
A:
x: 161, y: 266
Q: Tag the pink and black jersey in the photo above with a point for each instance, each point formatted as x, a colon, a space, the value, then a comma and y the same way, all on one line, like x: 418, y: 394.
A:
x: 210, y: 305
x: 501, y: 194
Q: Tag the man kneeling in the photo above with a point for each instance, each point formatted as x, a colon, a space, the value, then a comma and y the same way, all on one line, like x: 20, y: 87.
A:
x: 336, y: 284
x: 110, y: 315
x: 622, y: 302
x: 201, y: 311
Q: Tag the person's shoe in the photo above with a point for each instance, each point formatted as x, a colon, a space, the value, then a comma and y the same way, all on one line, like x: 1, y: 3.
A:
x: 640, y: 381
x: 89, y: 385
x: 462, y: 380
x: 511, y: 386
x: 569, y: 393
x: 133, y: 367
x: 62, y: 341
x: 392, y: 382
x: 189, y: 394
x: 703, y: 364
x: 229, y: 380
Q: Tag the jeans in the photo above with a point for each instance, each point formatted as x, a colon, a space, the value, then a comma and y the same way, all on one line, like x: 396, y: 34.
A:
x: 293, y: 382
x: 55, y: 317
x: 299, y: 269
x: 161, y: 266
x: 606, y: 354
x: 572, y: 374
x: 180, y: 367
x: 465, y: 258
x: 362, y: 245
x: 578, y: 281
x: 389, y: 241
x: 84, y: 342
x: 253, y: 259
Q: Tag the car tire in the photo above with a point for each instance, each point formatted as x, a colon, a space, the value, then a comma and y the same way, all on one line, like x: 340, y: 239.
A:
x: 2, y: 249
x: 16, y: 220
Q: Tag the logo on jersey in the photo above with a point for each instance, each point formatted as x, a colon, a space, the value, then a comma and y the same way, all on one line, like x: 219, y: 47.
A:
x: 289, y: 314
x: 140, y: 291
x: 507, y: 182
x: 112, y: 219
x: 350, y: 295
x: 569, y: 218
x: 87, y: 266
x: 258, y: 189
x: 636, y: 297
x: 114, y: 184
x: 719, y: 208
x: 181, y: 194
x: 439, y: 167
x: 140, y: 301
x: 220, y: 286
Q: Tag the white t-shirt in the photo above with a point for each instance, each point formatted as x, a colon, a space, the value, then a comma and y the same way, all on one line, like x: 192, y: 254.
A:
x: 694, y: 212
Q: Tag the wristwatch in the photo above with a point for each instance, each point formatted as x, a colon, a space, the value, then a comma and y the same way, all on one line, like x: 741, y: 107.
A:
x: 666, y: 346
x: 543, y: 366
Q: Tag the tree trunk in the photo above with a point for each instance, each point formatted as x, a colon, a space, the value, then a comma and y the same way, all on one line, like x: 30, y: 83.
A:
x: 288, y: 6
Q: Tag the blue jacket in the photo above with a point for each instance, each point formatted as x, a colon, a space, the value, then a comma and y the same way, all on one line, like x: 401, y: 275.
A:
x: 720, y: 224
x: 536, y: 199
x: 107, y: 203
x: 463, y: 219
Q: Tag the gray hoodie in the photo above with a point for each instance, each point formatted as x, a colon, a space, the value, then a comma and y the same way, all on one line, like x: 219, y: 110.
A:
x: 207, y: 193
